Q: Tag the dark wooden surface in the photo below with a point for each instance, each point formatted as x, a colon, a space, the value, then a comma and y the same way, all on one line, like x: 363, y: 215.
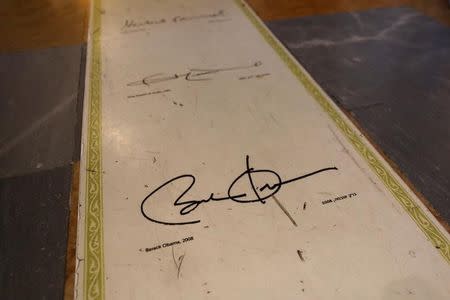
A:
x: 33, y: 234
x: 270, y: 10
x: 41, y: 97
x: 41, y: 94
x: 33, y: 24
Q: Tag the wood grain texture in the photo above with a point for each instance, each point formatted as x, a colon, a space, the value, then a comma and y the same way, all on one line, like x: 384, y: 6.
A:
x: 40, y: 109
x: 42, y: 23
x: 34, y: 212
x: 71, y: 261
x: 281, y: 9
x: 51, y: 23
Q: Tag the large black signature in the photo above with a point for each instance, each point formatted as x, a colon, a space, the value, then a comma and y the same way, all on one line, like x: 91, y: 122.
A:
x: 192, y: 75
x: 257, y: 193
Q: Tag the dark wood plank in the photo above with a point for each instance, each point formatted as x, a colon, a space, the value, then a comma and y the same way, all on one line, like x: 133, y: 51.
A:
x: 270, y: 10
x: 34, y: 211
x: 35, y: 24
x: 41, y: 107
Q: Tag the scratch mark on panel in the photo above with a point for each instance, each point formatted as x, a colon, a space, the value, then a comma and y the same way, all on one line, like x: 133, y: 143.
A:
x: 284, y: 210
x: 354, y: 160
x: 274, y: 119
x: 18, y: 138
x: 179, y: 263
x: 300, y: 254
x: 345, y: 150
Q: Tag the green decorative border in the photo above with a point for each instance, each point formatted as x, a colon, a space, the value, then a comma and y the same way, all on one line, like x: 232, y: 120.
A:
x: 436, y: 237
x: 94, y: 282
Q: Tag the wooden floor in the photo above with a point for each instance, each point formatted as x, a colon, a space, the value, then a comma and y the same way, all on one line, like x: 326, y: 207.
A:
x: 42, y: 24
x: 282, y: 9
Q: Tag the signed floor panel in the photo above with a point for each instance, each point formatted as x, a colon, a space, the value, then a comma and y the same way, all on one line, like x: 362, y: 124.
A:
x: 214, y: 167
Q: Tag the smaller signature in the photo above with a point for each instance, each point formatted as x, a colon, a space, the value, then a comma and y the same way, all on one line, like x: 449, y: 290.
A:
x: 194, y: 74
x: 133, y: 24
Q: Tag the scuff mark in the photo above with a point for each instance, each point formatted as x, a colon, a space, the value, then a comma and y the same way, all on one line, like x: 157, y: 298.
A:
x: 18, y: 138
x: 284, y: 210
x: 173, y: 256
x: 370, y: 105
x: 300, y: 254
x: 179, y: 263
x: 274, y: 119
x: 377, y: 187
x: 382, y: 34
x: 345, y: 150
x: 357, y: 19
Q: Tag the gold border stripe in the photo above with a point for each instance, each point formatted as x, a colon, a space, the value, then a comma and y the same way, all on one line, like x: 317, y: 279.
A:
x: 94, y: 282
x: 436, y: 237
